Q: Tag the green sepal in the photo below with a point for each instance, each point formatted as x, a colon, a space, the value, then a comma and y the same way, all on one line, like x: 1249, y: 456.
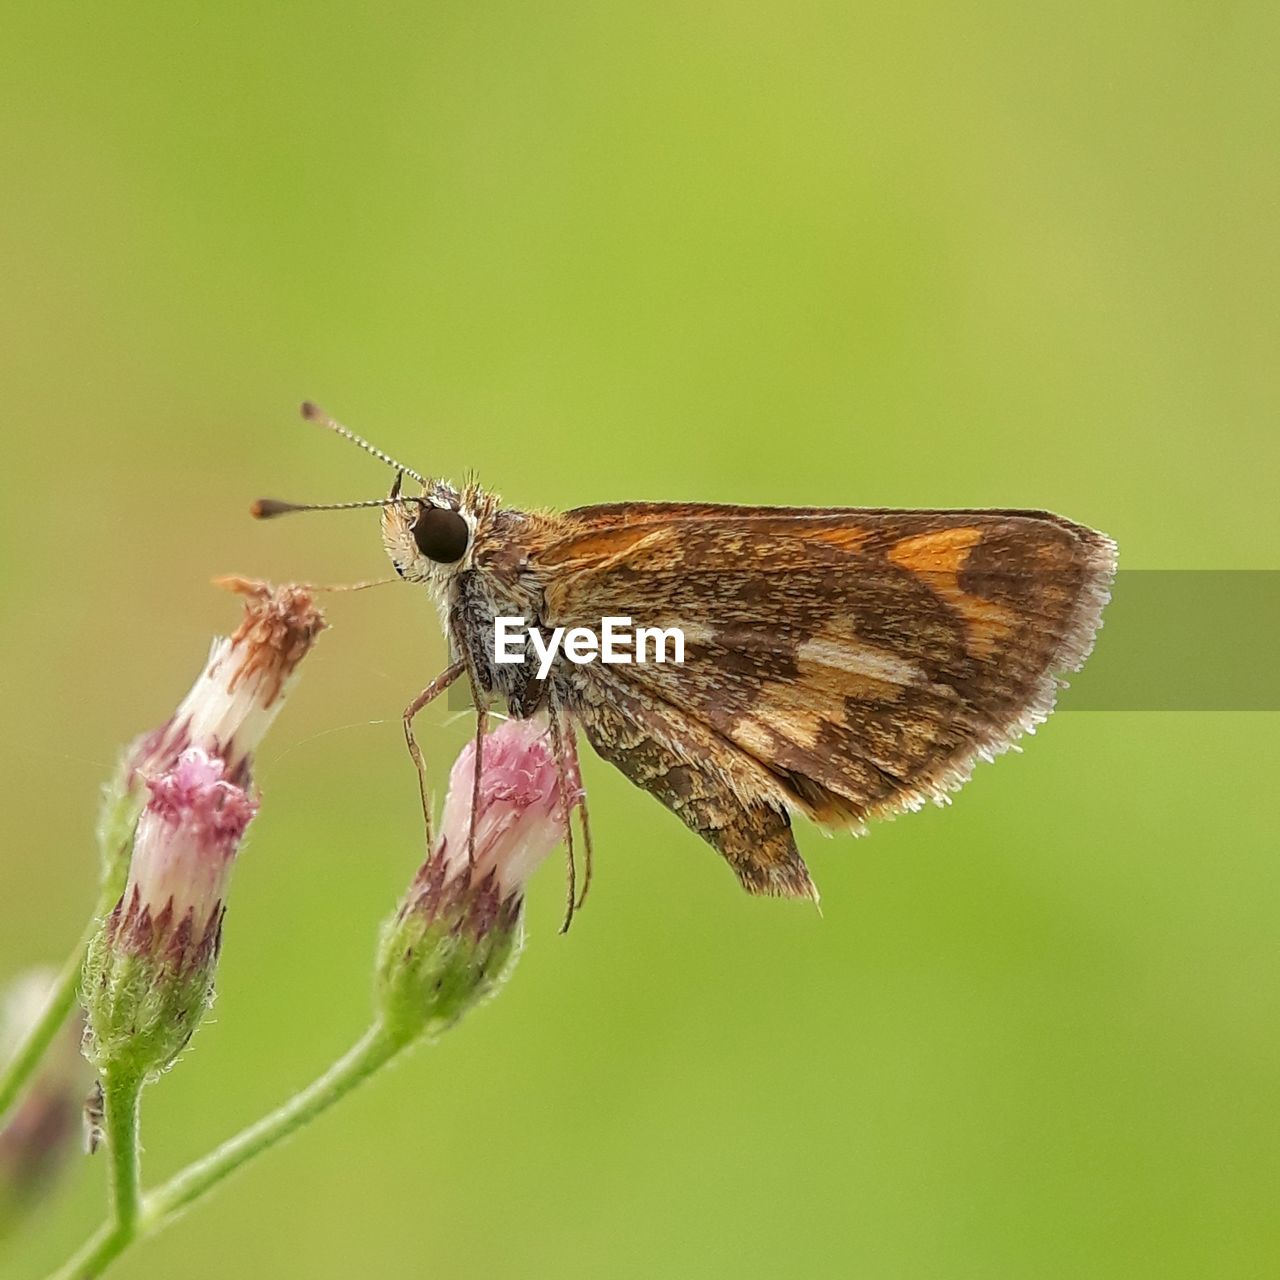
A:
x: 431, y: 971
x: 142, y: 1006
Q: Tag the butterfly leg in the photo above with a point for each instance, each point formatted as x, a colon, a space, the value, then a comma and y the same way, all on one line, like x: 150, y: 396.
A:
x: 482, y: 727
x: 571, y: 743
x: 559, y: 750
x: 588, y: 859
x: 429, y: 694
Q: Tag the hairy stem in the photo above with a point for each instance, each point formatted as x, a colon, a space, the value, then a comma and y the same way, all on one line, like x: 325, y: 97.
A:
x: 135, y: 1218
x: 121, y: 1095
x: 371, y: 1052
x: 114, y: 836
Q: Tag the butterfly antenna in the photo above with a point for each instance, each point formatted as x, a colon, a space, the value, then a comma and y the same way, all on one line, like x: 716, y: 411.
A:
x: 269, y: 508
x: 313, y: 413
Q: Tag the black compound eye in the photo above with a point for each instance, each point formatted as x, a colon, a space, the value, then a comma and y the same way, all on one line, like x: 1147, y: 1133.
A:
x: 442, y: 535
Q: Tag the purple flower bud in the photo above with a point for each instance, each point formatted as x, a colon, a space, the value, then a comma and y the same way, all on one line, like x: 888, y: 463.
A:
x: 519, y: 821
x: 520, y: 818
x: 149, y: 974
x: 226, y: 713
x: 458, y: 928
x: 186, y: 841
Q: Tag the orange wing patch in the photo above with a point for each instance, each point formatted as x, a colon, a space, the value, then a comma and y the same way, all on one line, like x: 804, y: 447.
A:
x: 844, y: 537
x: 938, y: 558
x: 943, y: 552
x: 610, y: 547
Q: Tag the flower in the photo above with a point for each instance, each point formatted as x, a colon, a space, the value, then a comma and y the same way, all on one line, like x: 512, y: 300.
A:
x: 519, y: 819
x: 178, y: 813
x: 41, y: 1132
x: 187, y: 839
x: 227, y: 711
x: 149, y: 973
x: 455, y: 934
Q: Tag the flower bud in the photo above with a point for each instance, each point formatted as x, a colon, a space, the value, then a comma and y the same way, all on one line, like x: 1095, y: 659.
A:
x: 40, y: 1133
x: 148, y: 977
x: 458, y: 930
x: 229, y: 708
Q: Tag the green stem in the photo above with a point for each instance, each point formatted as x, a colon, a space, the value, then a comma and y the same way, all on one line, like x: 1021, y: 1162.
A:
x: 370, y: 1053
x: 61, y: 1000
x: 114, y: 837
x: 121, y: 1096
x: 155, y: 1211
x: 96, y: 1255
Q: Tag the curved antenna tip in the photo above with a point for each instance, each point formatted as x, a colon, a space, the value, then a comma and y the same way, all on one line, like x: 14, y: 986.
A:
x: 266, y: 508
x: 312, y: 412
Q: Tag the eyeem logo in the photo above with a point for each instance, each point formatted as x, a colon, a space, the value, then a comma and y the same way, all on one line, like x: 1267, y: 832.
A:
x: 615, y: 643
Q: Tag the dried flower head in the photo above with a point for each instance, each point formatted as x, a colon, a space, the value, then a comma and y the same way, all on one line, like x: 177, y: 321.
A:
x: 458, y: 928
x: 242, y: 688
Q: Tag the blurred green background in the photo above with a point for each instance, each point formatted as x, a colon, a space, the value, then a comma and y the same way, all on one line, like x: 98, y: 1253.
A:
x: 922, y: 254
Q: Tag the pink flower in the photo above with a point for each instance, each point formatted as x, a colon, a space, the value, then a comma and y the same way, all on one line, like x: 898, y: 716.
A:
x: 458, y: 929
x: 186, y: 841
x: 148, y: 976
x: 519, y: 821
x: 520, y: 818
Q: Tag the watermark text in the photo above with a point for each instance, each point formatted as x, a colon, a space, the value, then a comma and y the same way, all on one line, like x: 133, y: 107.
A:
x: 616, y: 643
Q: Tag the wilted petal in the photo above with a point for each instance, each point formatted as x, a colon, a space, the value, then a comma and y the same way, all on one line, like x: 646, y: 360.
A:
x: 243, y: 686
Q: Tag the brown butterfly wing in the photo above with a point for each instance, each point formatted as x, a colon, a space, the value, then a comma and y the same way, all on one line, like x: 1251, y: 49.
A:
x: 863, y: 660
x: 730, y: 799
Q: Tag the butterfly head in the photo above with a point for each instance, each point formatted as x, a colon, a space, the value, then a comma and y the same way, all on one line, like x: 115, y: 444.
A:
x: 428, y: 538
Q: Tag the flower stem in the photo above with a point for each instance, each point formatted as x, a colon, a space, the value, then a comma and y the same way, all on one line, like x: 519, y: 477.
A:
x: 135, y: 1218
x: 97, y: 1254
x: 116, y: 829
x: 121, y: 1095
x: 370, y: 1053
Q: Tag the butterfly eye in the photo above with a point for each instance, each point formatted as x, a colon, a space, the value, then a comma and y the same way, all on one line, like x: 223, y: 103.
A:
x: 441, y: 535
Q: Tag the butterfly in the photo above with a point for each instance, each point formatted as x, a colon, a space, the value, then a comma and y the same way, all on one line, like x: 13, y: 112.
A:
x: 844, y: 664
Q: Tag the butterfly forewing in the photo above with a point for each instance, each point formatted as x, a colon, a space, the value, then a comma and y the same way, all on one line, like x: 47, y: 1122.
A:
x: 845, y: 663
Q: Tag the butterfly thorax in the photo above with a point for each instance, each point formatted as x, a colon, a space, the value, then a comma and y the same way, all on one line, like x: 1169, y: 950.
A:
x: 500, y: 581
